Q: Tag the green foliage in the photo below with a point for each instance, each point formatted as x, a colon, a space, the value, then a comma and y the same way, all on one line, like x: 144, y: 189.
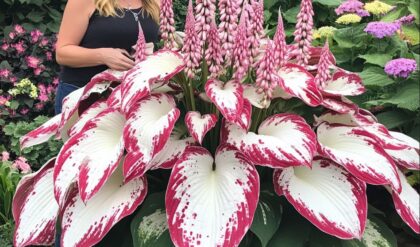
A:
x: 9, y: 178
x: 36, y: 155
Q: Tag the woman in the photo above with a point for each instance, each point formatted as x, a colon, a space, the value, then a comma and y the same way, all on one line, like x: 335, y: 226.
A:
x: 99, y: 34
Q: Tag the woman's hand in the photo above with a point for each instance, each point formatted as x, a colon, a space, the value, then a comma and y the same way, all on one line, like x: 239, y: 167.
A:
x: 117, y: 59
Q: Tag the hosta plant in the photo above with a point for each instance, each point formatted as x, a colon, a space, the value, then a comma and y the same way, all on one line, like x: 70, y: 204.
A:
x: 207, y: 107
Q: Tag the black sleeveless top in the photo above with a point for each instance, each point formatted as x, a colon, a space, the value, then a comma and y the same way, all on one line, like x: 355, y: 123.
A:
x: 110, y: 32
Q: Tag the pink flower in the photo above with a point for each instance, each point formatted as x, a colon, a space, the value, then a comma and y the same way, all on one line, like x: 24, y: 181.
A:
x: 4, y: 73
x: 50, y: 89
x: 39, y: 70
x: 3, y: 100
x: 401, y: 67
x: 24, y: 111
x: 280, y: 44
x: 204, y: 15
x: 43, y: 94
x: 49, y: 55
x: 241, y: 49
x: 22, y: 164
x: 55, y: 81
x: 32, y: 62
x: 213, y: 54
x: 35, y: 35
x: 5, y: 45
x: 267, y: 78
x: 19, y: 46
x: 19, y: 29
x: 5, y: 156
x: 39, y: 106
x: 229, y: 15
x: 167, y: 22
x: 323, y: 74
x: 12, y: 35
x: 13, y: 79
x: 303, y: 33
x: 352, y: 6
x: 191, y: 44
x: 255, y: 24
x: 44, y: 42
x: 140, y: 46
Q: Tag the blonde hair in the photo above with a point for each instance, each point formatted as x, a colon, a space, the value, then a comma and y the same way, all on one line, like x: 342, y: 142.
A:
x: 110, y: 8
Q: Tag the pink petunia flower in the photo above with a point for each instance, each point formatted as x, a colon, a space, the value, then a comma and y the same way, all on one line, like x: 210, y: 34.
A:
x: 5, y: 156
x: 22, y: 164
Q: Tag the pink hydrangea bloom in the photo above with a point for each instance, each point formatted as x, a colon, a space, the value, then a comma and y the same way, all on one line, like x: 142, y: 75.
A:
x: 39, y: 106
x: 3, y: 100
x: 32, y: 62
x: 229, y: 15
x: 19, y: 29
x: 191, y: 47
x: 401, y: 67
x: 35, y: 35
x: 303, y: 32
x: 380, y: 29
x: 22, y: 164
x: 19, y: 46
x: 24, y: 111
x: 4, y: 73
x: 5, y: 156
x: 12, y: 35
x: 5, y: 45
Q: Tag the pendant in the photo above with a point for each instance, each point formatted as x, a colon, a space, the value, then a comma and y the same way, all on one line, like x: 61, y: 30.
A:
x: 136, y: 17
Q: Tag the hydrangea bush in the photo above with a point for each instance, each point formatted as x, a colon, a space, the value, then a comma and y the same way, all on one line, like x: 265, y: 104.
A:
x: 213, y: 120
x: 28, y: 74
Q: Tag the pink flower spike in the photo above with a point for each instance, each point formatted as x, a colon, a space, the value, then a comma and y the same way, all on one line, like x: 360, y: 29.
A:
x: 167, y: 22
x: 256, y: 14
x: 191, y: 45
x: 323, y: 74
x: 241, y: 49
x: 280, y: 45
x: 213, y: 53
x: 204, y: 15
x: 140, y: 46
x: 303, y: 33
x: 267, y: 78
x: 229, y: 15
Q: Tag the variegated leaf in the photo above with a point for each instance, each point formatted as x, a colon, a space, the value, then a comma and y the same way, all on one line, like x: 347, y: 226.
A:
x: 407, y: 203
x: 85, y: 224
x: 87, y: 115
x: 352, y: 118
x: 228, y: 97
x: 244, y: 119
x: 209, y: 206
x: 283, y: 140
x: 339, y: 104
x: 157, y: 68
x: 298, y: 82
x: 34, y: 208
x: 198, y: 125
x: 90, y: 156
x: 343, y: 210
x: 359, y: 152
x: 344, y: 83
x: 256, y: 99
x: 170, y: 153
x: 149, y: 125
x: 407, y: 157
x: 41, y: 134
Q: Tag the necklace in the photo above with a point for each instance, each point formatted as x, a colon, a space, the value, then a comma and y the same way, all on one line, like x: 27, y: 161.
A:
x: 135, y: 15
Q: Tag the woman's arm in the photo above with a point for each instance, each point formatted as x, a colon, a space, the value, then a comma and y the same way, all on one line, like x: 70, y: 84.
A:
x: 73, y: 27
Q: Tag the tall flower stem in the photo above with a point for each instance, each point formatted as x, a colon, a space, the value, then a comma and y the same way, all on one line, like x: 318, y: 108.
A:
x: 191, y: 94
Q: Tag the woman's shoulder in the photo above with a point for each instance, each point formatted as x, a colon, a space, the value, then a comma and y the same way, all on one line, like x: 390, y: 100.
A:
x: 81, y: 6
